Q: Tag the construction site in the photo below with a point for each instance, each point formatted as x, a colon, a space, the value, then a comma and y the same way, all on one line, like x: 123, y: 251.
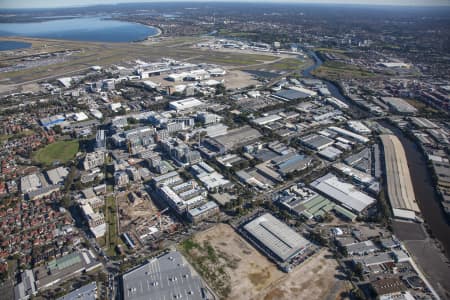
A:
x: 141, y: 221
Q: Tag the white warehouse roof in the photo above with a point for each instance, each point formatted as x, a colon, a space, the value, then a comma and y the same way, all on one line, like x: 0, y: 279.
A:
x: 342, y: 192
x: 358, y: 127
x: 267, y: 119
x: 279, y: 238
x: 349, y: 134
x: 185, y: 104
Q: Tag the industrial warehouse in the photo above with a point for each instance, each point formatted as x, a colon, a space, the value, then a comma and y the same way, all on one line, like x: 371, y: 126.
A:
x: 308, y: 204
x: 399, y: 185
x: 187, y: 104
x: 186, y: 151
x: 275, y: 238
x: 316, y: 141
x: 165, y: 277
x: 236, y: 138
x: 344, y: 193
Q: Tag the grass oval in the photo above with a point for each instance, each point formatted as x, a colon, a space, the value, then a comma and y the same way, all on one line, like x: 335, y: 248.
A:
x: 61, y: 151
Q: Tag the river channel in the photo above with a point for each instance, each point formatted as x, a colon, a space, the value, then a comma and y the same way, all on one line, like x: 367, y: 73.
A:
x: 356, y: 111
x: 334, y: 90
x: 424, y: 190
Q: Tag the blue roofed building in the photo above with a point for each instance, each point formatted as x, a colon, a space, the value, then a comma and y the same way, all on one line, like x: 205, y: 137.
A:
x: 297, y: 162
x: 51, y: 121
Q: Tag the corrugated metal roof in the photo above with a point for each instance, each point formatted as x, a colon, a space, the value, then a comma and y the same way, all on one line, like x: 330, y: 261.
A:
x: 276, y: 236
x: 343, y: 192
x: 166, y: 277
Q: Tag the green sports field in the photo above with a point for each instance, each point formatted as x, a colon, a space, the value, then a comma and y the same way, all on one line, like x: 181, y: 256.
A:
x: 61, y: 151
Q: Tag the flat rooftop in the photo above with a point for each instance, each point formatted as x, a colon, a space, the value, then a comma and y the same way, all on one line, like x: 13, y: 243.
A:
x: 289, y: 95
x: 57, y: 175
x: 296, y: 162
x: 238, y: 137
x: 400, y: 105
x: 344, y: 193
x: 165, y: 277
x: 267, y: 119
x: 184, y: 104
x: 65, y: 267
x: 399, y: 184
x: 316, y: 141
x: 279, y: 238
x: 86, y: 292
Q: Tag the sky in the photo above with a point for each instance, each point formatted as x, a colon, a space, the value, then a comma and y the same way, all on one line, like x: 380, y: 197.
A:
x: 68, y: 3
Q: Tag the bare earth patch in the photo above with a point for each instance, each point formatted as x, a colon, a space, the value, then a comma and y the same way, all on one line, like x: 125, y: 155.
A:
x: 253, y: 277
x: 236, y: 79
x: 311, y: 280
x: 251, y: 273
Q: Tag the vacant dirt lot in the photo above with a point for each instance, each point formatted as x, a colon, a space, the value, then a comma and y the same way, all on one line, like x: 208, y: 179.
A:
x: 252, y: 273
x: 255, y: 277
x: 314, y: 279
x: 236, y: 79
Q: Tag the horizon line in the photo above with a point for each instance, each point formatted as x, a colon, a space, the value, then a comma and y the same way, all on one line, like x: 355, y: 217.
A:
x: 308, y: 2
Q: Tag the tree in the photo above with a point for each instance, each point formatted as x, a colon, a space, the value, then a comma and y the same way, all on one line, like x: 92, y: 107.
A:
x: 57, y: 129
x: 101, y: 276
x: 318, y: 238
x: 220, y: 89
x: 65, y: 201
x: 70, y: 178
x: 132, y: 121
x: 269, y: 205
x: 121, y: 111
x: 239, y: 210
x: 343, y: 251
x: 358, y: 294
x: 3, y: 276
x: 327, y: 217
x: 359, y: 269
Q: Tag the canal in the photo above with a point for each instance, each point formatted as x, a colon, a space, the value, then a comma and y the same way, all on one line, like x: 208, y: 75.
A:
x: 424, y: 190
x: 422, y: 249
x: 355, y: 110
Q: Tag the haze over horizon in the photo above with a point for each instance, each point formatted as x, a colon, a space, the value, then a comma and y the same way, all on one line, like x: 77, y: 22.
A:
x: 24, y: 4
